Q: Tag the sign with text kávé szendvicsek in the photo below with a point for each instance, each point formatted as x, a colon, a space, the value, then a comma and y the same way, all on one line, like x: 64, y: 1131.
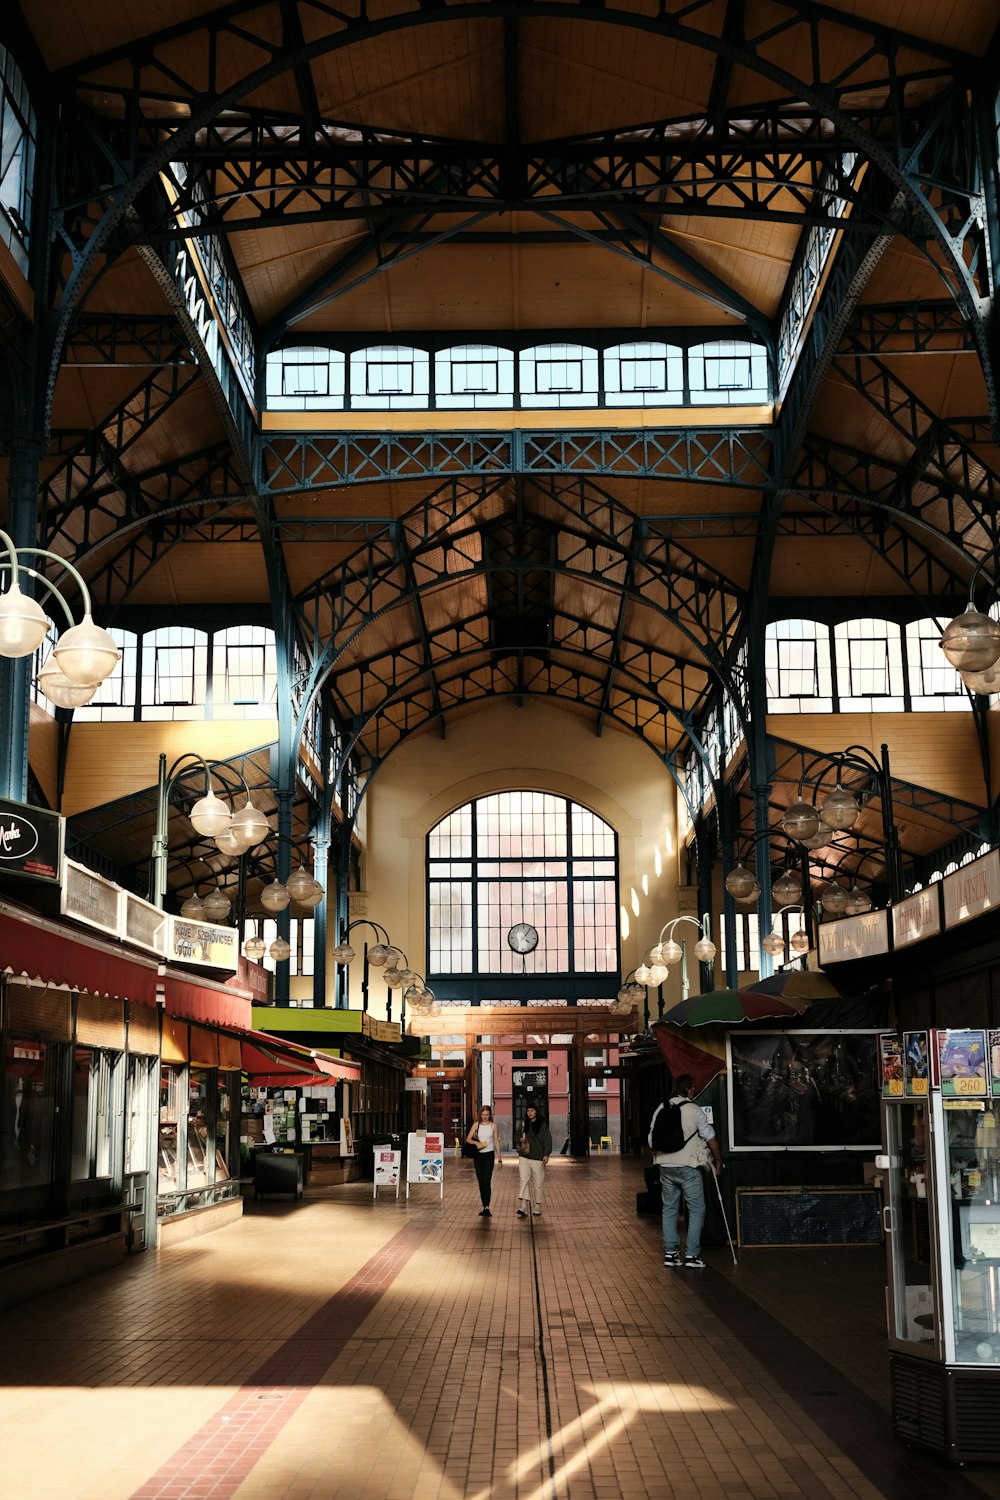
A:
x: 425, y: 1159
x: 30, y: 842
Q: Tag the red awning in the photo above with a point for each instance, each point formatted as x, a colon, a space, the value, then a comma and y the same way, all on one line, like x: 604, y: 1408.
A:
x: 34, y: 948
x: 208, y: 1004
x: 273, y: 1061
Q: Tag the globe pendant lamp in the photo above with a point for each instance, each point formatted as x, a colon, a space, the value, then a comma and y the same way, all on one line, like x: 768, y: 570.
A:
x: 800, y: 821
x: 671, y: 952
x: 642, y: 974
x: 210, y: 815
x: 217, y: 905
x: 274, y: 897
x: 657, y: 974
x: 280, y: 950
x: 704, y: 950
x: 786, y: 890
x: 250, y: 825
x: 986, y: 682
x: 299, y: 885
x: 741, y: 885
x: 343, y: 953
x: 86, y: 653
x: 971, y: 642
x: 194, y: 909
x: 799, y: 942
x: 840, y: 809
x: 23, y: 623
x: 378, y: 955
x: 228, y: 842
x: 858, y: 902
x: 774, y: 944
x: 314, y: 895
x: 834, y: 899
x: 255, y: 948
x: 59, y: 690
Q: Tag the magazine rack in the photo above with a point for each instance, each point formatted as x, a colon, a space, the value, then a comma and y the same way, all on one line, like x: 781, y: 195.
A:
x: 941, y: 1214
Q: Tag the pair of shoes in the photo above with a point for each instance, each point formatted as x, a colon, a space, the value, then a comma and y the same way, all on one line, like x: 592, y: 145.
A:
x: 693, y: 1263
x: 484, y: 1213
x: 521, y: 1214
x: 671, y: 1258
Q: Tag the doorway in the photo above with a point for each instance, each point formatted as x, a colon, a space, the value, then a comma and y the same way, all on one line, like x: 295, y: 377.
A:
x: 529, y: 1086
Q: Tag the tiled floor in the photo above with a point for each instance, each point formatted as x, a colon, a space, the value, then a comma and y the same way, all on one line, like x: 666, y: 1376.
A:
x: 341, y: 1349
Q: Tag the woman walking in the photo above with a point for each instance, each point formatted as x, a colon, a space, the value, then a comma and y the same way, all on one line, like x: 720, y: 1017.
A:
x: 534, y: 1150
x: 483, y: 1136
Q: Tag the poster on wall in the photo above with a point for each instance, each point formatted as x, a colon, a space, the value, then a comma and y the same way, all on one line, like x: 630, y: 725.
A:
x: 805, y: 1091
x: 962, y: 1063
x: 346, y: 1136
x: 916, y: 1064
x: 994, y: 1041
x: 891, y: 1061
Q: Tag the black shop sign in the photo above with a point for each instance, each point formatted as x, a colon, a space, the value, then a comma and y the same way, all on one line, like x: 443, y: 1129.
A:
x: 31, y: 841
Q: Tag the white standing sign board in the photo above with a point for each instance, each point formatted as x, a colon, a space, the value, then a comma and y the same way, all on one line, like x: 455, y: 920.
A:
x: 387, y: 1164
x: 425, y: 1159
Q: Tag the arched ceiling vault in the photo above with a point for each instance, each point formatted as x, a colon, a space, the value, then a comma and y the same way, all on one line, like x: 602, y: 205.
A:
x: 557, y: 170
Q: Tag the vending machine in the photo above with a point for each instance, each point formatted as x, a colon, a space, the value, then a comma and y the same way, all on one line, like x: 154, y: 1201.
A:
x: 941, y: 1213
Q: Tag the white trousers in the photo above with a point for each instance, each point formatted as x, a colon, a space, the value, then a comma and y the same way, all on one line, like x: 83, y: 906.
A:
x: 531, y: 1180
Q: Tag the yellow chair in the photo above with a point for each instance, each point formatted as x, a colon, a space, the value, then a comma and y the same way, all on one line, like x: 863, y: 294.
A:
x: 605, y: 1143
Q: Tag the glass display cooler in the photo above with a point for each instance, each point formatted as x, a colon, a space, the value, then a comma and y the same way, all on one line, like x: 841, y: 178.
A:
x: 941, y: 1213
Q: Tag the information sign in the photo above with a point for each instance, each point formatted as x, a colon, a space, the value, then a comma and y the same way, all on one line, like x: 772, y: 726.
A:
x: 387, y: 1173
x: 425, y: 1159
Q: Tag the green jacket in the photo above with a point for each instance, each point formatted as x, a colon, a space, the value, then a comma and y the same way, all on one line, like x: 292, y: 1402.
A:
x: 539, y: 1143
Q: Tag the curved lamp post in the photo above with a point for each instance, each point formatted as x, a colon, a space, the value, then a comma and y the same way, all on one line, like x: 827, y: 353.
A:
x: 378, y: 955
x: 210, y: 816
x: 840, y: 809
x: 662, y: 954
x: 787, y: 889
x: 84, y: 654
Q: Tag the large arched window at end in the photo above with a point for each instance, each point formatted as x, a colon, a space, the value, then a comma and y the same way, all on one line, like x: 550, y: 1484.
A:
x: 522, y: 857
x: 797, y: 667
x: 17, y: 159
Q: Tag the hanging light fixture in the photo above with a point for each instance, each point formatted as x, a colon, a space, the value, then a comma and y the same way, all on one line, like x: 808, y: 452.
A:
x: 799, y: 941
x: 255, y: 948
x: 299, y: 885
x: 971, y: 642
x: 85, y: 654
x: 858, y: 902
x: 280, y: 950
x: 985, y: 682
x: 343, y: 953
x: 274, y: 897
x: 774, y: 944
x: 657, y: 974
x: 217, y: 905
x: 705, y: 950
x: 800, y: 821
x: 642, y: 974
x: 250, y: 825
x: 59, y: 690
x: 194, y: 909
x: 834, y: 899
x: 787, y: 889
x: 840, y: 810
x: 742, y: 885
x: 631, y: 994
x: 210, y: 816
x: 23, y: 623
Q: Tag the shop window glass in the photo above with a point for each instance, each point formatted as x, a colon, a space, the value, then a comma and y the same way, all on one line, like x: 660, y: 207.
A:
x: 168, y: 1178
x: 28, y: 1124
x: 138, y: 1103
x: 223, y: 1128
x: 199, y: 1123
x: 92, y: 1114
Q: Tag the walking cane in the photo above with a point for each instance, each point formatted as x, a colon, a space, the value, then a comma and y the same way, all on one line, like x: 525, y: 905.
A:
x: 722, y: 1206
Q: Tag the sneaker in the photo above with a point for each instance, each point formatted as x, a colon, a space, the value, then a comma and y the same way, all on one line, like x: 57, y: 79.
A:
x: 521, y: 1214
x: 694, y: 1263
x: 538, y: 1213
x: 671, y: 1258
x: 484, y: 1213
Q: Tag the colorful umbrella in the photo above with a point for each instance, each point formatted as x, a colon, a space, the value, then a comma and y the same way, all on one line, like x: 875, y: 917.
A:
x: 702, y: 1059
x: 796, y: 984
x: 728, y: 1007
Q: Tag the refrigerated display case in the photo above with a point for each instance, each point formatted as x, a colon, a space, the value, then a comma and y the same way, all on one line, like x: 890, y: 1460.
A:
x: 941, y: 1213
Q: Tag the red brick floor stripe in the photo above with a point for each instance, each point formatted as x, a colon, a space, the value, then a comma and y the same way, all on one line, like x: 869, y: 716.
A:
x: 215, y: 1461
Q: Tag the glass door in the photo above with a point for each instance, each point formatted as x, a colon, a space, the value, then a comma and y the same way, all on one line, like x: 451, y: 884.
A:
x: 914, y: 1312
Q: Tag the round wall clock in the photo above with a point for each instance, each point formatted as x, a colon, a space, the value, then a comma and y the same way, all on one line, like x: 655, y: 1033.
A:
x: 522, y: 937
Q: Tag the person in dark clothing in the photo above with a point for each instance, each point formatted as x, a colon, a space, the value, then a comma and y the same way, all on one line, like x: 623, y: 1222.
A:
x: 483, y: 1136
x: 534, y: 1150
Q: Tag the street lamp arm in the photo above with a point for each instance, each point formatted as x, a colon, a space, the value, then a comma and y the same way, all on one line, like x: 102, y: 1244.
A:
x: 6, y: 567
x: 15, y: 552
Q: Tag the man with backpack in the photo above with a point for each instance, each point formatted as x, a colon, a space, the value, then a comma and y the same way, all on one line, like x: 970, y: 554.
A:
x: 683, y: 1141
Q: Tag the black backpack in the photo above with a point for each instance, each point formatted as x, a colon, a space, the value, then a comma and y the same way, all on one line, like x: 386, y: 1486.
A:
x: 667, y: 1133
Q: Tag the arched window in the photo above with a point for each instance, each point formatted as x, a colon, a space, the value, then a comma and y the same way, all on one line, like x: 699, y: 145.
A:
x: 174, y: 673
x: 797, y: 667
x: 244, y: 674
x: 523, y: 857
x: 869, y: 666
x: 17, y: 159
x: 934, y: 684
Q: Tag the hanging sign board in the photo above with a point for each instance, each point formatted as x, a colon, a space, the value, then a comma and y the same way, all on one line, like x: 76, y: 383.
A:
x: 207, y: 944
x: 31, y: 842
x: 917, y: 917
x: 854, y: 937
x: 425, y: 1159
x: 90, y: 898
x: 387, y: 1169
x: 972, y: 890
x: 145, y: 925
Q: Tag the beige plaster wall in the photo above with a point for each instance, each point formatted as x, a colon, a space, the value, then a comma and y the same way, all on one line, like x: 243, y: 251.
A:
x: 537, y: 748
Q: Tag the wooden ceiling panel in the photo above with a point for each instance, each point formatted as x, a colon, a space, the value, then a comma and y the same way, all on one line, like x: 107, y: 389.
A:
x: 830, y: 567
x: 230, y: 573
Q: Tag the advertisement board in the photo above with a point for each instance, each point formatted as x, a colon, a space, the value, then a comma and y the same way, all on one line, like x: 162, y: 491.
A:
x: 31, y: 842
